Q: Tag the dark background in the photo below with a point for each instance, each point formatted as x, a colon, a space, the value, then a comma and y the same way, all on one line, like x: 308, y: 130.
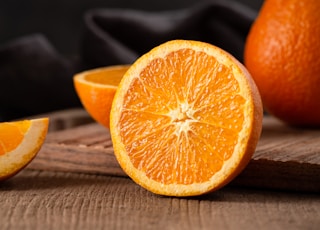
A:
x: 61, y: 21
x: 44, y: 70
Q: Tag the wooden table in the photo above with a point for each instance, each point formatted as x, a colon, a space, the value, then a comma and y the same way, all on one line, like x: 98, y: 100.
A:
x: 49, y: 197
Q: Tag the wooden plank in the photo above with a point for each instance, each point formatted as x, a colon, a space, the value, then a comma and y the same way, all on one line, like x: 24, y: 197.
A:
x: 37, y: 200
x: 286, y: 158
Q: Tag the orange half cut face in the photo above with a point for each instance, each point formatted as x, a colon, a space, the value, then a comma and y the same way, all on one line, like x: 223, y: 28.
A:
x: 186, y: 119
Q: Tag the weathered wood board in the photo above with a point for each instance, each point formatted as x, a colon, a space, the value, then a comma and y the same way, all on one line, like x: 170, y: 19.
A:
x: 286, y: 158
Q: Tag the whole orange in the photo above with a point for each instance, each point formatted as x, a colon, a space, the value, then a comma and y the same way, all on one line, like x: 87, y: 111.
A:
x: 282, y: 53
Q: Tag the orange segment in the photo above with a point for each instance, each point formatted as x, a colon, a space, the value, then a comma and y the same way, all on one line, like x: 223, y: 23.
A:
x: 96, y: 89
x: 11, y: 135
x: 20, y: 141
x: 186, y: 119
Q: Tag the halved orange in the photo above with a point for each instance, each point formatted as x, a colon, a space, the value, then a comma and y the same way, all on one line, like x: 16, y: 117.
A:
x: 20, y: 141
x: 186, y: 119
x: 96, y: 88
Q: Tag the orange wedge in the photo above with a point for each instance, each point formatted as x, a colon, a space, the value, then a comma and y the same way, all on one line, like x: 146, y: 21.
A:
x: 20, y: 141
x: 96, y: 88
x: 186, y: 119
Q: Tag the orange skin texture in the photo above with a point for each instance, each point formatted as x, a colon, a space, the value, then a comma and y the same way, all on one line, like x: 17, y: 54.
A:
x: 97, y: 101
x: 282, y: 55
x: 96, y: 89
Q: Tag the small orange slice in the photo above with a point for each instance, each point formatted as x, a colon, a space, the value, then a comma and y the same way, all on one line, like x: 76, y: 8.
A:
x: 20, y: 142
x: 96, y: 89
x: 186, y: 119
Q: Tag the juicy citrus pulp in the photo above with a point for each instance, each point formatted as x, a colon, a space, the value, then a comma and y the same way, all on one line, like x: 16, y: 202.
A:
x: 20, y: 141
x: 185, y: 119
x: 96, y: 89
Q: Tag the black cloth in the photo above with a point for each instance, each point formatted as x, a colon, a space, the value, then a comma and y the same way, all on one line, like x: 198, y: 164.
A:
x: 35, y: 78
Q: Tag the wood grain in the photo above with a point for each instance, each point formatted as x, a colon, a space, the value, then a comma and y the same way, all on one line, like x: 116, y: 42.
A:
x: 37, y: 200
x: 286, y: 158
x: 75, y: 183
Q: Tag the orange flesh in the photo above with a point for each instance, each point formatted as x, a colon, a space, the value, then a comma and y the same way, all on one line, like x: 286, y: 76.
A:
x: 169, y: 142
x: 12, y: 135
x: 112, y: 77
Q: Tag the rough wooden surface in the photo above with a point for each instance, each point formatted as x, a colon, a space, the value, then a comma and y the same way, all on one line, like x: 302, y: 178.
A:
x: 38, y: 200
x: 285, y: 159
